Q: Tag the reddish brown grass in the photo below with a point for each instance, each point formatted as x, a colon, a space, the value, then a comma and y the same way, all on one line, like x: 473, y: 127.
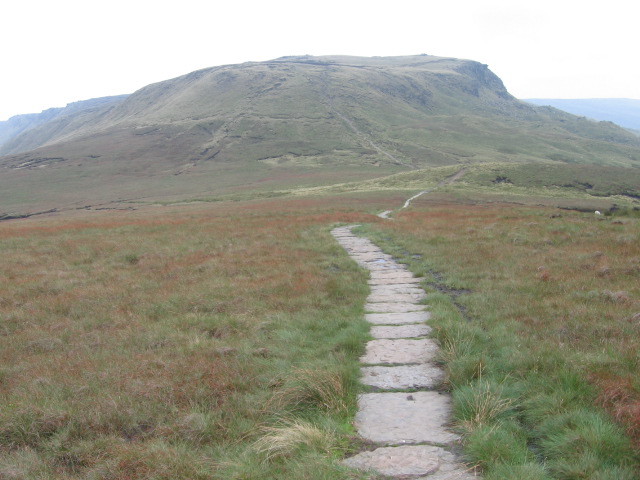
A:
x: 117, y: 326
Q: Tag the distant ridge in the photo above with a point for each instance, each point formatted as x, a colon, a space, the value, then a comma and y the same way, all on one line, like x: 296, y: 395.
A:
x: 19, y: 124
x: 623, y: 111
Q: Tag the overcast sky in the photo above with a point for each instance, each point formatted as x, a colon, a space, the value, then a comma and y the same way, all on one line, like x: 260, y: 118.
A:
x: 56, y: 52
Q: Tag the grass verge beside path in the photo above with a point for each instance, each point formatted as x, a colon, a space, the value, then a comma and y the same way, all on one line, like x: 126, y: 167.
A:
x: 207, y: 343
x: 542, y: 358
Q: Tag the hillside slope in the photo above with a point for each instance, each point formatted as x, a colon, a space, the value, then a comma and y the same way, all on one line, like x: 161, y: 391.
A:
x: 294, y: 121
x: 23, y: 125
x: 623, y: 111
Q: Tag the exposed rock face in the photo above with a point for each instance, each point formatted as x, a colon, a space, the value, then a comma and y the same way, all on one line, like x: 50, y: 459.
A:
x: 481, y: 77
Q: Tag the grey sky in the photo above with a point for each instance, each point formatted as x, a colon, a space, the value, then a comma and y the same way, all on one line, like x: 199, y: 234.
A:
x: 58, y: 52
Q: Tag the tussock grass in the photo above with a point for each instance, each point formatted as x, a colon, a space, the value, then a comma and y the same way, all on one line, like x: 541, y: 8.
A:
x: 498, y: 444
x: 284, y: 439
x: 326, y: 389
x: 480, y: 403
x: 523, y: 471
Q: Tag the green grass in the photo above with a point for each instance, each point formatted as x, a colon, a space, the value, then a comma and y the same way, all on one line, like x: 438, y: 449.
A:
x: 534, y: 316
x: 611, y: 190
x: 220, y: 339
x: 594, y: 180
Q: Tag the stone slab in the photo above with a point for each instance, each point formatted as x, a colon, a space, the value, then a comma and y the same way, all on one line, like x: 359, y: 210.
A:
x: 392, y: 307
x: 366, y: 256
x: 402, y: 376
x: 395, y: 297
x: 410, y: 461
x: 451, y: 472
x: 361, y: 247
x: 353, y: 248
x: 382, y: 275
x: 402, y: 280
x: 400, y: 331
x: 397, y: 318
x: 395, y: 272
x: 371, y: 257
x: 387, y: 267
x: 402, y: 288
x: 375, y: 266
x: 404, y: 418
x: 400, y: 351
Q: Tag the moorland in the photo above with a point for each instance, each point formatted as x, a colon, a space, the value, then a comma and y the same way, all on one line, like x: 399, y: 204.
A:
x: 182, y: 311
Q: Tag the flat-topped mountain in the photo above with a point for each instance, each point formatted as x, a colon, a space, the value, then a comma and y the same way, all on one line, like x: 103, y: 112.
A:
x: 297, y: 120
x: 271, y: 96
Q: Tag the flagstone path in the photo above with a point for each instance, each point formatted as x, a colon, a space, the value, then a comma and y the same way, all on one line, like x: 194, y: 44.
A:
x: 404, y: 416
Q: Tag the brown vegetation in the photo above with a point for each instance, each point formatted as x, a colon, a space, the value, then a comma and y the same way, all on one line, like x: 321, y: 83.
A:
x: 136, y: 344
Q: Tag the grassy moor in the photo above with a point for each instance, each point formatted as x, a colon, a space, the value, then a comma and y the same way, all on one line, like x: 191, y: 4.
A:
x: 174, y: 306
x: 537, y: 313
x: 166, y: 345
x: 221, y: 340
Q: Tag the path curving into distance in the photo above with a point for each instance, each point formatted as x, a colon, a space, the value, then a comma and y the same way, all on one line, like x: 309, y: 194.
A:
x: 404, y: 416
x: 386, y: 214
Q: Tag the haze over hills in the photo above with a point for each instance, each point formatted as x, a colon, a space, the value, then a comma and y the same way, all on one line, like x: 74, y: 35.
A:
x: 623, y: 111
x: 293, y: 121
x: 19, y: 124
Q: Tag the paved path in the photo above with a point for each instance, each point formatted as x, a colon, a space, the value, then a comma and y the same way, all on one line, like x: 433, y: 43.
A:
x: 403, y: 416
x: 456, y: 176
